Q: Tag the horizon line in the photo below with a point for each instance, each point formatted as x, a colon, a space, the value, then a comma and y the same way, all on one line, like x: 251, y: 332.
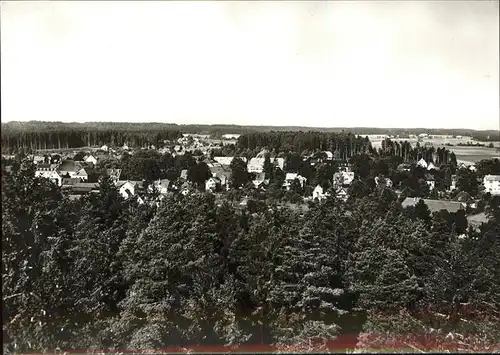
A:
x: 264, y: 126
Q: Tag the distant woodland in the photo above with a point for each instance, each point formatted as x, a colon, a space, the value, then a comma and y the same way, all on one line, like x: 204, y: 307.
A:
x: 56, y: 135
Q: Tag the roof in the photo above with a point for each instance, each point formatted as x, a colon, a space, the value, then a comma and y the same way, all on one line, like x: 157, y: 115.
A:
x: 70, y: 181
x: 291, y: 176
x: 227, y: 160
x: 435, y: 205
x: 259, y: 162
x: 492, y: 178
x: 463, y: 196
x: 184, y: 174
x: 429, y: 177
x: 69, y: 165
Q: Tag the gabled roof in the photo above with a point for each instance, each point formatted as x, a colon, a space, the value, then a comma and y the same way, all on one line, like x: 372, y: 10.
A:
x: 184, y: 174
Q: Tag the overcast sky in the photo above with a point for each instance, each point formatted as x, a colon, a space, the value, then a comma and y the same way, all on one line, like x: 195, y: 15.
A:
x: 324, y: 64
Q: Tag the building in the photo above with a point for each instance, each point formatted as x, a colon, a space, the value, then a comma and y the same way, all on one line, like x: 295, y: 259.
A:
x: 291, y: 177
x: 422, y: 163
x: 256, y: 165
x: 227, y: 160
x: 52, y: 175
x: 90, y: 159
x: 161, y: 186
x: 319, y: 194
x: 344, y: 178
x: 212, y: 183
x: 429, y: 179
x: 431, y: 166
x: 129, y: 188
x: 388, y: 182
x: 492, y: 184
x: 82, y: 175
x: 434, y: 205
x: 69, y: 167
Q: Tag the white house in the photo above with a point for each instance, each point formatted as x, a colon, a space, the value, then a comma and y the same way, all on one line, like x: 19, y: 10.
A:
x: 211, y: 183
x: 429, y: 179
x: 128, y: 188
x: 105, y: 148
x: 82, y: 175
x: 52, y: 175
x: 90, y: 159
x: 160, y: 185
x: 492, y: 184
x: 422, y: 163
x: 319, y: 194
x: 431, y: 166
x: 388, y: 182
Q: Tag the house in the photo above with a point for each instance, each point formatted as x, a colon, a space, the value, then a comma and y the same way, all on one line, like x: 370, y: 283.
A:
x: 90, y: 159
x: 212, y: 183
x: 69, y: 182
x: 434, y: 205
x: 125, y: 146
x: 343, y: 178
x: 52, y: 175
x: 431, y: 166
x: 465, y: 199
x: 69, y: 167
x: 161, y: 186
x: 114, y: 174
x: 260, y: 180
x: 104, y: 147
x: 38, y: 159
x: 222, y: 173
x: 319, y: 194
x: 129, y: 188
x: 329, y: 155
x: 492, y: 184
x: 46, y: 167
x: 84, y: 187
x: 227, y: 160
x: 453, y: 185
x: 82, y: 175
x: 184, y: 174
x: 429, y: 179
x: 422, y: 163
x: 290, y: 178
x: 256, y: 165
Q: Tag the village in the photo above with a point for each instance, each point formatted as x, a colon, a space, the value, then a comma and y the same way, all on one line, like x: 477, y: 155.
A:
x: 71, y: 169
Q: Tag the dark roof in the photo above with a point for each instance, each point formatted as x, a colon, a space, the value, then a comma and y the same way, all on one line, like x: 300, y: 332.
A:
x: 435, y: 205
x: 69, y: 165
x: 70, y: 181
x: 429, y: 177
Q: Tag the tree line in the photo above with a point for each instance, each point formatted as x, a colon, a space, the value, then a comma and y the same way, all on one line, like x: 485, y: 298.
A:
x: 106, y: 273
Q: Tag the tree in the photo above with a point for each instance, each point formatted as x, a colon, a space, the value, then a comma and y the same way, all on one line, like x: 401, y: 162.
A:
x: 239, y: 173
x: 199, y: 174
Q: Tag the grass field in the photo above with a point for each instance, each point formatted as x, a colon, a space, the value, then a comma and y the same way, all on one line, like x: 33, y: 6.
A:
x: 472, y: 154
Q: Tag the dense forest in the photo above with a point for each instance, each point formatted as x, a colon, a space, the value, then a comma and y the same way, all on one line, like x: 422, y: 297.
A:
x: 47, y: 135
x: 102, y: 272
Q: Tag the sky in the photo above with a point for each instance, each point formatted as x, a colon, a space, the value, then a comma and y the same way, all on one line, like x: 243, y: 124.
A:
x: 319, y: 64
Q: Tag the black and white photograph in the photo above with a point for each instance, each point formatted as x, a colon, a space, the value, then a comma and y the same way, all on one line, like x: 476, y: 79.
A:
x: 240, y: 177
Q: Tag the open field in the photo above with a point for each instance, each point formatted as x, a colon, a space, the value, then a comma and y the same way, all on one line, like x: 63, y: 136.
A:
x: 466, y: 153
